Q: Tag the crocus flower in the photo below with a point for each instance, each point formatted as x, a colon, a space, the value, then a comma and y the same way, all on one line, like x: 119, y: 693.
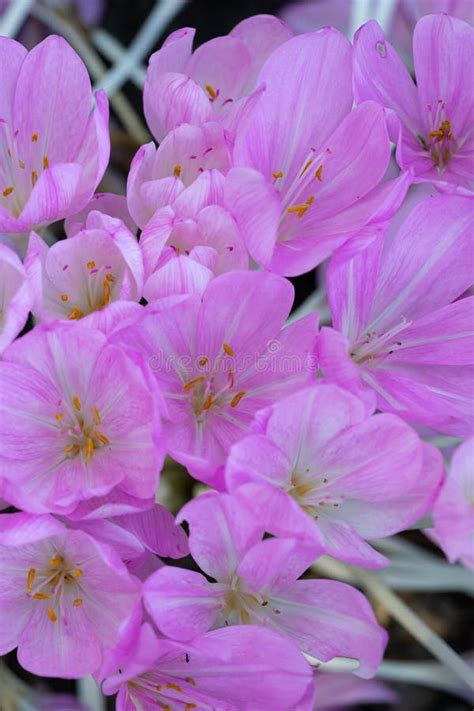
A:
x: 56, y: 596
x: 310, y: 165
x: 321, y: 468
x: 403, y: 337
x: 257, y: 583
x: 187, y: 243
x: 15, y: 296
x: 54, y: 150
x: 75, y: 413
x: 219, y: 359
x: 214, y: 81
x: 108, y: 203
x: 453, y: 512
x: 80, y: 276
x: 436, y: 116
x: 158, y: 175
x: 235, y: 669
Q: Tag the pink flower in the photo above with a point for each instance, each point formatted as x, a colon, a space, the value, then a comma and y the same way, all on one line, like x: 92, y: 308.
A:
x: 318, y: 467
x: 404, y: 339
x: 78, y: 277
x: 214, y: 81
x: 108, y: 203
x: 235, y: 669
x: 78, y: 418
x: 436, y: 115
x: 219, y: 359
x: 54, y: 149
x: 312, y: 166
x: 453, y: 512
x: 257, y: 583
x: 187, y: 243
x: 15, y: 296
x: 158, y: 175
x: 56, y: 596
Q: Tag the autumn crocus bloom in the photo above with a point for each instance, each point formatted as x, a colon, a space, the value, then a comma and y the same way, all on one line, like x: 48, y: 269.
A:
x: 15, y: 296
x: 235, y: 669
x: 187, y: 243
x: 74, y: 414
x: 54, y: 151
x: 55, y: 596
x: 436, y: 138
x: 257, y: 583
x: 212, y: 82
x: 309, y: 166
x: 404, y: 338
x: 80, y: 276
x: 320, y: 468
x: 453, y: 512
x: 219, y: 359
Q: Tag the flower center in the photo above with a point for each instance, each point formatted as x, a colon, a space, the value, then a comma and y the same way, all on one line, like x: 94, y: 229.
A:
x: 98, y: 291
x: 80, y: 431
x: 166, y: 692
x: 215, y: 388
x: 311, y: 493
x: 54, y: 584
x: 18, y: 174
x: 440, y: 143
x: 374, y: 345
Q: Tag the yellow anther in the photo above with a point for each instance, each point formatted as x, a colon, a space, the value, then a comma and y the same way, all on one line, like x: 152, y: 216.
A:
x: 77, y: 573
x: 231, y: 378
x: 34, y: 177
x: 228, y: 349
x: 41, y: 596
x: 306, y: 166
x: 30, y: 579
x: 71, y: 449
x: 9, y: 152
x: 21, y: 164
x: 77, y: 602
x: 52, y: 615
x: 77, y: 403
x: 165, y: 707
x: 319, y: 173
x: 75, y: 314
x: 45, y: 162
x: 190, y: 680
x: 89, y: 449
x: 189, y: 386
x: 300, y: 210
x: 90, y: 265
x: 34, y: 138
x: 106, y: 292
x: 59, y: 416
x: 177, y: 170
x: 96, y: 415
x: 189, y: 707
x: 444, y: 131
x: 237, y: 398
x: 278, y: 174
x: 211, y: 91
x: 207, y: 403
x: 203, y: 361
x: 8, y: 191
x: 64, y: 297
x: 101, y: 437
x: 110, y: 277
x: 56, y: 561
x: 176, y: 687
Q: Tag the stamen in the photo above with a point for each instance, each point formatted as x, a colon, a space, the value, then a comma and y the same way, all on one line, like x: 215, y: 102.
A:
x: 110, y: 277
x: 188, y: 707
x: 208, y: 402
x: 301, y: 209
x: 77, y: 602
x: 77, y: 403
x: 71, y: 449
x: 89, y: 449
x: 319, y: 173
x: 54, y: 562
x: 8, y: 191
x: 177, y: 170
x: 176, y: 687
x: 203, y: 361
x: 96, y: 415
x: 34, y: 138
x: 90, y: 265
x: 58, y: 416
x: 21, y: 164
x: 306, y: 166
x: 52, y: 615
x: 101, y: 437
x: 228, y: 349
x: 237, y: 398
x: 213, y: 94
x: 190, y: 680
x: 34, y: 177
x: 75, y: 314
x: 41, y: 596
x: 64, y: 297
x: 189, y: 386
x: 45, y: 162
x: 30, y: 579
x: 77, y: 573
x: 278, y: 174
x: 105, y: 292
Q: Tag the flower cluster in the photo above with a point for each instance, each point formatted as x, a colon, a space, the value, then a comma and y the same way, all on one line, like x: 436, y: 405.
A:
x: 310, y: 438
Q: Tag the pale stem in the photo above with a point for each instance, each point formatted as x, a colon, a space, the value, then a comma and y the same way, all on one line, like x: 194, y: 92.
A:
x: 90, y: 694
x: 113, y: 50
x: 97, y: 69
x: 14, y: 16
x: 154, y: 26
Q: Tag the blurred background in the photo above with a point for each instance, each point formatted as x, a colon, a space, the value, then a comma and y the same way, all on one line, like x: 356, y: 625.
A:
x: 115, y: 39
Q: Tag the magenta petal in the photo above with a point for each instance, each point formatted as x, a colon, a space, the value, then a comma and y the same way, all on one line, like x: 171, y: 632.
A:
x: 53, y: 194
x: 157, y: 530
